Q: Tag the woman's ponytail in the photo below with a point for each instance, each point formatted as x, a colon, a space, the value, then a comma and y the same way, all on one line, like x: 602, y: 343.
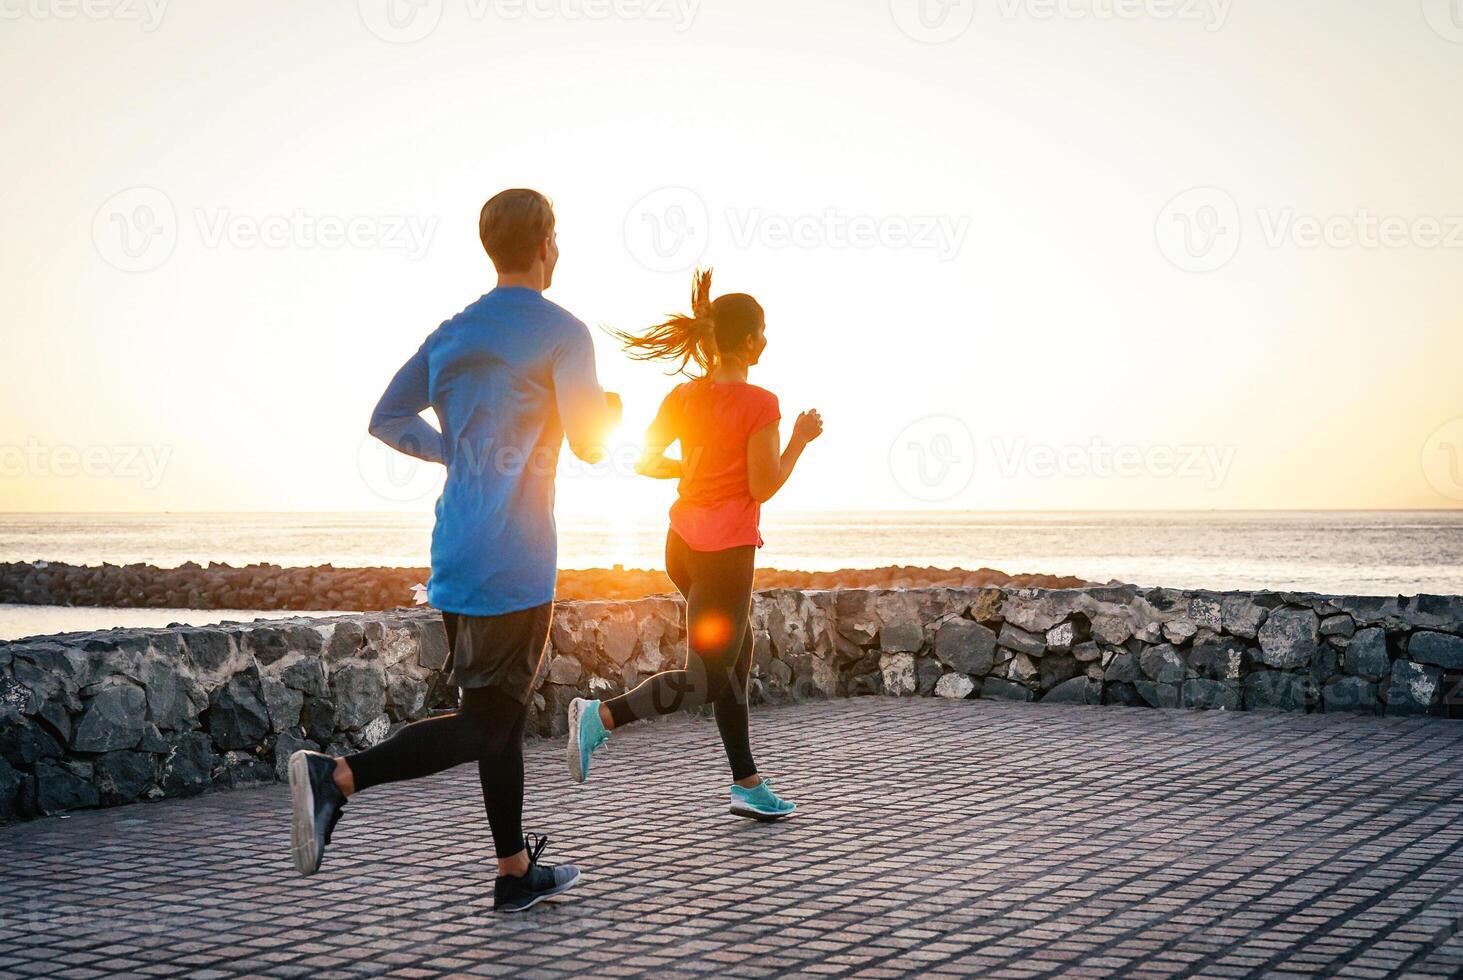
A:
x: 679, y: 336
x: 698, y: 337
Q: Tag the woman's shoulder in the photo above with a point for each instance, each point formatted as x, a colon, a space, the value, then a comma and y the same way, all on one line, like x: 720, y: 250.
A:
x: 760, y: 395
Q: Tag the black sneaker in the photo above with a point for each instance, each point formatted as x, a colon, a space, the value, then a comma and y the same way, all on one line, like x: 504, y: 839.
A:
x: 317, y: 802
x: 516, y: 893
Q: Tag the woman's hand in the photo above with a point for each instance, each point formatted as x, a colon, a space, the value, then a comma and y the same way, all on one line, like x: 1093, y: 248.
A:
x: 808, y: 427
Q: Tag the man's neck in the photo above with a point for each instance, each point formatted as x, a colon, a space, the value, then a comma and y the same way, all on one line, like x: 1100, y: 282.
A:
x: 527, y: 280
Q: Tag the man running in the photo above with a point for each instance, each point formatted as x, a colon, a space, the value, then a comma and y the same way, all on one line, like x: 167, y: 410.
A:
x: 508, y: 378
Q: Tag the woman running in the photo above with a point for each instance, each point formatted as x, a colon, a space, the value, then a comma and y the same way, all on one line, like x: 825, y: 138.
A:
x: 729, y: 466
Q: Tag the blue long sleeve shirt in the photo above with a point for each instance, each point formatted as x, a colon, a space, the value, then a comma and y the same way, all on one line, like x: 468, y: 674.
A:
x: 508, y: 378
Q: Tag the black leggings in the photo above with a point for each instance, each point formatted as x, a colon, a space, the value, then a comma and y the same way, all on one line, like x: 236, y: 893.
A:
x: 717, y: 586
x: 488, y: 730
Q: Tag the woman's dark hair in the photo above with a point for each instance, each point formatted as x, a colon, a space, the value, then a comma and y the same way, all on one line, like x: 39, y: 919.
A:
x: 711, y: 326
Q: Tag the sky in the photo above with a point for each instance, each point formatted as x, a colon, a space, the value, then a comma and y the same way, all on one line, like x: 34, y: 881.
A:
x: 1021, y: 254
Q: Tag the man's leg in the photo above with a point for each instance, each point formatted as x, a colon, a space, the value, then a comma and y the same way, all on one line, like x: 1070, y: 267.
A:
x: 500, y: 771
x: 419, y: 749
x: 320, y: 785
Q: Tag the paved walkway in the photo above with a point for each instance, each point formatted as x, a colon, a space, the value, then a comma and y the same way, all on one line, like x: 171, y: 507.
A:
x: 937, y: 837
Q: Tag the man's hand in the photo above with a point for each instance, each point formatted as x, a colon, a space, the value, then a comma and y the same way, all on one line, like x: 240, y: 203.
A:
x: 616, y: 407
x: 808, y: 427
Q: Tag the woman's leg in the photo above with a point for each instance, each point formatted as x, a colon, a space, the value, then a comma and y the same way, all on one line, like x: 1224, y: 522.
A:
x: 718, y: 587
x: 732, y: 720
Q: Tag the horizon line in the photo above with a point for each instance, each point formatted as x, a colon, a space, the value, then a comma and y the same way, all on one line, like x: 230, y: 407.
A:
x: 799, y: 512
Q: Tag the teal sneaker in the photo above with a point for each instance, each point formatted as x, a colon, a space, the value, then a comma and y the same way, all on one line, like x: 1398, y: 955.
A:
x: 586, y: 733
x: 760, y: 803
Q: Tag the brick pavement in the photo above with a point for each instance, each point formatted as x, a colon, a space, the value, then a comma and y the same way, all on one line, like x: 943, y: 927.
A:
x: 937, y: 837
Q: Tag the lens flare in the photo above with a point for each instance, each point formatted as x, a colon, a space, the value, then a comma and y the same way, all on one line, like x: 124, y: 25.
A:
x: 711, y: 631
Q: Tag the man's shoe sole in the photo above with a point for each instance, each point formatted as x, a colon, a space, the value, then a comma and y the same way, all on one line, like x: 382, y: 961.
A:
x: 576, y: 763
x: 302, y: 822
x: 742, y: 810
x: 540, y: 897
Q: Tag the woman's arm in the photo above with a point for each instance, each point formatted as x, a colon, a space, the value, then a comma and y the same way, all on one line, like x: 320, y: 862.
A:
x: 653, y: 461
x: 655, y: 464
x: 766, y: 470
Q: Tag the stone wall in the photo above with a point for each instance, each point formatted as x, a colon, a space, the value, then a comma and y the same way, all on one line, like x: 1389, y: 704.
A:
x: 219, y: 585
x: 98, y: 719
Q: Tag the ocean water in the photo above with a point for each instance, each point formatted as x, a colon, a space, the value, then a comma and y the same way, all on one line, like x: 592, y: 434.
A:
x: 1351, y: 552
x: 21, y: 621
x: 1370, y: 553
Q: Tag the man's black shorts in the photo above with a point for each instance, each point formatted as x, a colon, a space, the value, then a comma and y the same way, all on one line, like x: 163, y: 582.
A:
x: 501, y: 652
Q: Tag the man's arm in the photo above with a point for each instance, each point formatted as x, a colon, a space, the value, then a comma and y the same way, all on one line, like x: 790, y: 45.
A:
x: 397, y: 420
x: 586, y: 410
